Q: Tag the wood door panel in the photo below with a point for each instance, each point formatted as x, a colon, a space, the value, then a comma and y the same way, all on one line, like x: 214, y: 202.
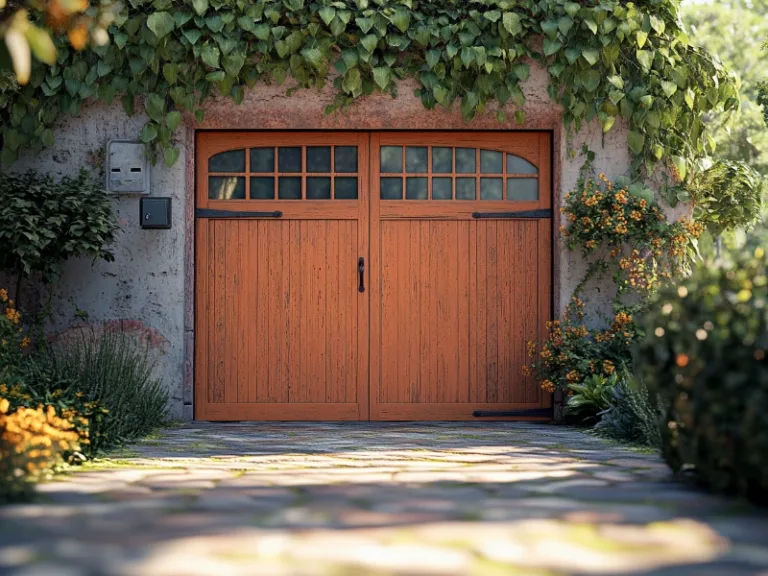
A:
x: 458, y: 302
x: 283, y: 299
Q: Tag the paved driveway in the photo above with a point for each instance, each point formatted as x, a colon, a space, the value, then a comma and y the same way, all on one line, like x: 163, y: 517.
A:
x: 348, y: 499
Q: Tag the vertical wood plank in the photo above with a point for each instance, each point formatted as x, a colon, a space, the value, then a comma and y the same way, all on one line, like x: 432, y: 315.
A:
x: 493, y: 313
x: 357, y: 329
x: 462, y: 290
x: 425, y: 312
x: 544, y: 261
x: 334, y: 326
x: 505, y: 295
x: 283, y: 313
x: 404, y: 322
x: 220, y: 336
x: 388, y: 312
x: 530, y: 310
x: 295, y: 313
x: 481, y: 379
x: 473, y: 312
x: 262, y: 296
x: 414, y: 312
x: 232, y: 296
x: 203, y: 290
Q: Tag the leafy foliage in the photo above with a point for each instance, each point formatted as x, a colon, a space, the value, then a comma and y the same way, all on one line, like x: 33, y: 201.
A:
x: 624, y: 235
x: 633, y: 415
x: 705, y: 354
x: 727, y: 194
x: 590, y: 398
x: 109, y: 369
x: 607, y: 61
x: 44, y: 222
x: 735, y: 31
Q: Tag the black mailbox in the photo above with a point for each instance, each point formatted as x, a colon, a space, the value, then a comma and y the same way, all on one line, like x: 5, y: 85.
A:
x: 155, y: 212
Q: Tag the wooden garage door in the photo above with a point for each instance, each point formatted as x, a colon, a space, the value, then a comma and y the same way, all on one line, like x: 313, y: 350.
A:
x: 401, y: 284
x: 461, y: 249
x: 281, y: 326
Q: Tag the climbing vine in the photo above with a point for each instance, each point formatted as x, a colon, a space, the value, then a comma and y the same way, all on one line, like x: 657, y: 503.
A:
x: 606, y: 60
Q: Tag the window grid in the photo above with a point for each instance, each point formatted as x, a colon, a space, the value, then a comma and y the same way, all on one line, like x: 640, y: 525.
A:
x: 276, y: 173
x: 453, y: 175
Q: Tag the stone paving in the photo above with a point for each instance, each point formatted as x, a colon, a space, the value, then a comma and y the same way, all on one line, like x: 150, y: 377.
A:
x: 359, y: 498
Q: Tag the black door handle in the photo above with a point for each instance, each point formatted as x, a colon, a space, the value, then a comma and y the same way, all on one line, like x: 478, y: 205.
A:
x: 361, y: 271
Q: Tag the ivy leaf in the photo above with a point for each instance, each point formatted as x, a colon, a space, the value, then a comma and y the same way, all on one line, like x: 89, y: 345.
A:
x: 607, y: 123
x: 641, y: 38
x: 261, y: 31
x: 590, y: 55
x: 233, y: 63
x: 148, y: 133
x: 520, y: 116
x: 493, y: 15
x: 369, y: 42
x: 200, y: 6
x: 192, y: 35
x: 154, y: 104
x: 365, y: 24
x: 616, y: 82
x: 214, y: 23
x: 690, y: 98
x: 591, y: 25
x: 590, y: 79
x: 210, y: 55
x: 467, y: 56
x: 511, y: 23
x: 327, y: 13
x: 615, y: 96
x: 657, y: 24
x: 549, y: 27
x: 551, y: 46
x: 352, y: 82
x: 382, y: 76
x: 315, y: 57
x: 161, y: 23
x: 680, y: 166
x: 170, y: 155
x: 572, y: 8
x: 522, y: 71
x: 645, y: 58
x: 432, y: 57
x: 401, y: 19
x: 636, y: 142
x: 565, y: 23
x: 669, y: 88
x: 441, y: 94
x: 172, y: 120
x: 170, y: 72
x: 47, y: 137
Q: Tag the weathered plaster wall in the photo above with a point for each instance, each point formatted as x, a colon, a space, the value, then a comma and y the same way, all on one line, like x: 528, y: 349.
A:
x: 152, y: 278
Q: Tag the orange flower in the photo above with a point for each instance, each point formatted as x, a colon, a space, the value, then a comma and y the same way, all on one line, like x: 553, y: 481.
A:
x: 682, y: 360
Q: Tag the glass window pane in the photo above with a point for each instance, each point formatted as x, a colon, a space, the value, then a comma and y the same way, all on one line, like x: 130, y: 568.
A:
x: 465, y: 188
x: 226, y: 187
x: 232, y: 161
x: 262, y: 159
x: 522, y: 189
x: 289, y: 159
x: 318, y: 188
x: 441, y: 188
x: 517, y: 165
x: 262, y: 188
x: 491, y: 189
x: 416, y: 159
x: 391, y: 188
x: 289, y: 188
x: 465, y: 161
x: 318, y: 159
x: 442, y: 160
x: 345, y: 158
x: 490, y: 162
x: 416, y: 188
x: 391, y: 159
x: 346, y: 188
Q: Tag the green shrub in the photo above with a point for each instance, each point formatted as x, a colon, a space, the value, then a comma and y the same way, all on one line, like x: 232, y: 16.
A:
x: 44, y: 222
x: 633, y: 415
x: 111, y: 369
x: 705, y: 354
x: 589, y: 398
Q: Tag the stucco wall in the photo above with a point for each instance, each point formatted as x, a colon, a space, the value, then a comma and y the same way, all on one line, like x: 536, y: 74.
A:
x: 151, y: 279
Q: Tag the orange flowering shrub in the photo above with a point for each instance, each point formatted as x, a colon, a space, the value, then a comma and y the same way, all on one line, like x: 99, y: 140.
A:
x: 13, y: 342
x: 625, y: 236
x: 32, y: 443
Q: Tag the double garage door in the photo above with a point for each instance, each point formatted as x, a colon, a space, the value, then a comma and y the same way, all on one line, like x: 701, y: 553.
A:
x: 370, y: 275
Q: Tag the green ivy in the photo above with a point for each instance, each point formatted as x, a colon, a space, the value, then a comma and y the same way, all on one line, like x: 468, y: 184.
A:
x: 607, y: 60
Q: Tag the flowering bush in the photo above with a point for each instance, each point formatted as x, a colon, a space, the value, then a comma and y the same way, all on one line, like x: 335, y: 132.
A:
x: 625, y: 235
x: 32, y: 442
x: 13, y: 342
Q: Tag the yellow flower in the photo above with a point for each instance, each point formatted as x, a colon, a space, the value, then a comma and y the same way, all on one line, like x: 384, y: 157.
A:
x: 547, y: 385
x: 608, y: 367
x: 3, y: 295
